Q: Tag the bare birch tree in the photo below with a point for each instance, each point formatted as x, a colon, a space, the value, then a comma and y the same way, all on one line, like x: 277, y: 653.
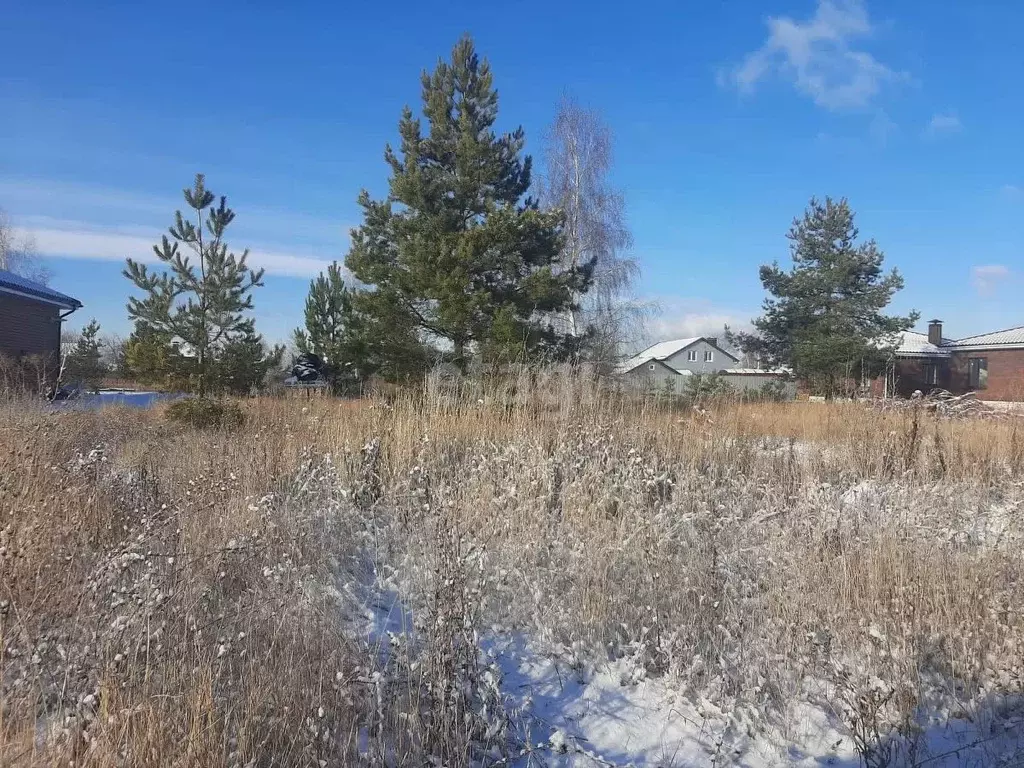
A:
x: 578, y: 152
x: 19, y: 254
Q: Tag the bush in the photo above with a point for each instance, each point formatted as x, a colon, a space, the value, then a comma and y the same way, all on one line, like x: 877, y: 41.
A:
x: 771, y: 392
x: 703, y: 387
x: 204, y: 413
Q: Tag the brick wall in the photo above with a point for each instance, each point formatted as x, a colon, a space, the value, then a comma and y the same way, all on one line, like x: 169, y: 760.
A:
x: 1005, y: 374
x: 910, y: 376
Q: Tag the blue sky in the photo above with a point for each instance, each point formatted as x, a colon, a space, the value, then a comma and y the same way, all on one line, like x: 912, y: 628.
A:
x: 726, y: 117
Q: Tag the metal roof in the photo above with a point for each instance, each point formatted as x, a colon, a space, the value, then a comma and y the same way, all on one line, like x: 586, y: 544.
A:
x: 662, y: 351
x: 1009, y: 337
x: 21, y: 286
x: 754, y: 372
x: 914, y: 344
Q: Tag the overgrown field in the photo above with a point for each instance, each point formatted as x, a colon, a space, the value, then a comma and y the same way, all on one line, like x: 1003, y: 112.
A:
x: 333, y: 582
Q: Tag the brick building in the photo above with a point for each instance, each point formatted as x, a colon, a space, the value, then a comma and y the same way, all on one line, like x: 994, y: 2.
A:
x: 30, y: 320
x: 991, y: 364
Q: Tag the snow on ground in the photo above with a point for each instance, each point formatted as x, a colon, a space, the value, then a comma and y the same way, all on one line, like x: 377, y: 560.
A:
x: 578, y: 718
x: 567, y: 714
x: 573, y: 718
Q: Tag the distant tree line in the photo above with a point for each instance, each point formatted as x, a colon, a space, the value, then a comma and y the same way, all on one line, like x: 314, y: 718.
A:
x: 467, y: 261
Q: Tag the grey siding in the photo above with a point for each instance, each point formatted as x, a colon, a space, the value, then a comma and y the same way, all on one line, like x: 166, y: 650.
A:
x: 681, y: 359
x: 658, y: 379
x: 28, y: 327
x: 752, y: 382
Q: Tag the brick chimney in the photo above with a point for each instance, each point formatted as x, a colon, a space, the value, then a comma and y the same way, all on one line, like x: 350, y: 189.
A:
x: 935, y: 333
x: 712, y: 340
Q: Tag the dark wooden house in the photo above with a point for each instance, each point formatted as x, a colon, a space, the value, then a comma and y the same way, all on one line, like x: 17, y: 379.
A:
x: 30, y: 320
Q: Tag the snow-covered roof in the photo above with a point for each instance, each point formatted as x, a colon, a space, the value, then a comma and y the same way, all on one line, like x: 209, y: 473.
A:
x: 664, y: 350
x: 659, y: 351
x: 914, y: 344
x: 1011, y: 337
x: 755, y: 372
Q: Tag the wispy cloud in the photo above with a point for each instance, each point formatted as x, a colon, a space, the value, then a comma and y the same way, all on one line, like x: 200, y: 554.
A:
x: 986, y: 278
x: 944, y: 123
x: 819, y: 57
x: 1012, y: 191
x: 683, y: 318
x: 56, y: 238
x: 26, y: 198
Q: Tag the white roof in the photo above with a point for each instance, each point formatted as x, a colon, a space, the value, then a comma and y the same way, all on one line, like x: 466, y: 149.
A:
x: 1009, y: 337
x: 914, y: 344
x: 754, y: 372
x: 659, y: 351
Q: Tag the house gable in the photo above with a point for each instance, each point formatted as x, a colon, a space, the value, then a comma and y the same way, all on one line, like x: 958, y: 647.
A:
x: 701, y: 356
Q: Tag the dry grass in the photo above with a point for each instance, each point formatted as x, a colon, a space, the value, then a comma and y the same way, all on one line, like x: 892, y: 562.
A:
x: 182, y: 597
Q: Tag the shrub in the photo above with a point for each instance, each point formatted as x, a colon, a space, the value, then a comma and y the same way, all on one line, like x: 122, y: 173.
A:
x: 702, y: 387
x: 205, y: 413
x: 771, y: 391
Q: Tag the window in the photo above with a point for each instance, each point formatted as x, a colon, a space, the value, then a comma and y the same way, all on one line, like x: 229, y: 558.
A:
x: 692, y: 355
x: 931, y: 374
x: 709, y: 356
x: 650, y: 367
x: 977, y: 369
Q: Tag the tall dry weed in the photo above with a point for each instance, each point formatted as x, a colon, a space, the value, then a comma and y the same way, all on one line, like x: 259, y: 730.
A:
x: 174, y: 596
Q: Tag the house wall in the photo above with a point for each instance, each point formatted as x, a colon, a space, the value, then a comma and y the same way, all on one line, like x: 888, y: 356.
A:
x: 660, y: 379
x: 680, y: 360
x: 1005, y: 374
x: 910, y: 376
x: 28, y: 327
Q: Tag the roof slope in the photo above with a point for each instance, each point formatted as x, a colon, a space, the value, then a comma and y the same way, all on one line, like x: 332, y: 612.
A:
x: 12, y: 283
x: 914, y: 344
x: 659, y: 351
x: 1009, y: 337
x: 664, y: 350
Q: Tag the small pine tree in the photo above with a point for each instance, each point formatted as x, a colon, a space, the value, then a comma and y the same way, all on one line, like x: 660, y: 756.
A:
x: 244, y: 363
x: 824, y: 316
x: 330, y: 331
x: 456, y: 251
x: 83, y: 364
x: 202, y: 305
x: 150, y: 358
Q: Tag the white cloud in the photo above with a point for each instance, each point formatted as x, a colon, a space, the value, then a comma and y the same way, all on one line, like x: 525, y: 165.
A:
x: 944, y: 123
x: 986, y: 278
x: 57, y: 238
x: 1012, y: 191
x: 25, y: 198
x: 683, y: 318
x: 818, y: 58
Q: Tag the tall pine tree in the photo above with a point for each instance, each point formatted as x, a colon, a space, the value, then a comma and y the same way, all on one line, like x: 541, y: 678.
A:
x: 456, y: 250
x: 824, y: 316
x: 204, y: 303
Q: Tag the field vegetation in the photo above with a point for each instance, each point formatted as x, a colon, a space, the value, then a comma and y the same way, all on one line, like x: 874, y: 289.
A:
x: 329, y: 582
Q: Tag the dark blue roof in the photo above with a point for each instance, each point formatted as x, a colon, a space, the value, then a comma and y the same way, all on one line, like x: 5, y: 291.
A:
x: 23, y: 285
